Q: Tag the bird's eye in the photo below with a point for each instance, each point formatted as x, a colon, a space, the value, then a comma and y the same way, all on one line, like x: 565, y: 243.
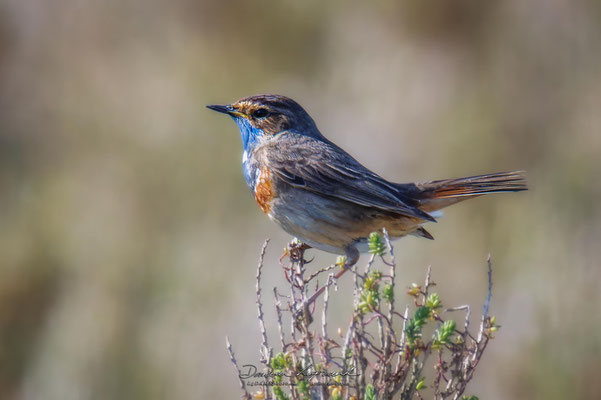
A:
x: 260, y: 113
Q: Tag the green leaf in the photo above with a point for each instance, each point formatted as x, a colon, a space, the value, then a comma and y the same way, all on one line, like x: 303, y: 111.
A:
x: 279, y: 362
x: 370, y: 393
x: 372, y: 280
x: 376, y: 244
x: 388, y: 293
x: 303, y: 388
x: 433, y: 301
x: 413, y: 330
x: 447, y: 328
x: 443, y: 334
x: 421, y: 383
x: 422, y: 314
x: 279, y: 394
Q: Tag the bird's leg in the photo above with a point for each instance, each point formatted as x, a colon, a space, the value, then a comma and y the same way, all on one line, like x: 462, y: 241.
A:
x: 295, y: 251
x: 352, y: 256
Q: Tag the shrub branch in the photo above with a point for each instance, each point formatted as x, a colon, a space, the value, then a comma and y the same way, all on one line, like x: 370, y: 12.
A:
x: 382, y: 354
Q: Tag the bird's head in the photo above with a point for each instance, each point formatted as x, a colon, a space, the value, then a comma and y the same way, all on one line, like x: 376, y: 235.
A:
x: 261, y: 117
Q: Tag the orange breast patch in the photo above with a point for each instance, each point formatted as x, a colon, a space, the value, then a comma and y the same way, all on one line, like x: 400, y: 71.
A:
x: 264, y: 190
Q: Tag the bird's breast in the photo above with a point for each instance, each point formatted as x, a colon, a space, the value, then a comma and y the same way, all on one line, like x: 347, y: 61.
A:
x: 264, y: 190
x: 248, y: 170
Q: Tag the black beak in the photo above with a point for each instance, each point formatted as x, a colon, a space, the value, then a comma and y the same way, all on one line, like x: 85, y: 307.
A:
x: 222, y: 109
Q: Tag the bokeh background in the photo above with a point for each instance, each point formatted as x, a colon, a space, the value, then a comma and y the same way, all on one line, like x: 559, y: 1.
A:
x: 128, y: 239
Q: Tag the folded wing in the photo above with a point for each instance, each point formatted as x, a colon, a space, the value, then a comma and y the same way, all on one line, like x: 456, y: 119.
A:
x: 324, y: 168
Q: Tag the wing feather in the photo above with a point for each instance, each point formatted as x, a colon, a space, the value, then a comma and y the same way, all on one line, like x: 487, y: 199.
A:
x: 324, y: 168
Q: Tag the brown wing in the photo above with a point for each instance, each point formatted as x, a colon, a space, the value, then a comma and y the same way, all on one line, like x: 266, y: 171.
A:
x: 324, y: 168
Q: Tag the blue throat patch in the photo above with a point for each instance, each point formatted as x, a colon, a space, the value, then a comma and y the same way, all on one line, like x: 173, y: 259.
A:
x: 250, y: 137
x: 250, y: 134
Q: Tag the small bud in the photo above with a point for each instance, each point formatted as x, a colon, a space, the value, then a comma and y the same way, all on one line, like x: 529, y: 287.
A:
x: 376, y: 244
x: 335, y: 392
x: 433, y: 301
x: 414, y: 290
x: 421, y: 384
x: 421, y: 314
x: 303, y: 387
x: 388, y: 293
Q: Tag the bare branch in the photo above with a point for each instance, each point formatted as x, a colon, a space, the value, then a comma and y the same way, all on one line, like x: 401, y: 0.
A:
x: 278, y: 312
x: 488, y: 297
x: 369, y: 263
x: 324, y: 321
x: 245, y: 394
x: 320, y: 271
x: 392, y: 272
x: 368, y: 350
x: 467, y: 310
x: 265, y: 350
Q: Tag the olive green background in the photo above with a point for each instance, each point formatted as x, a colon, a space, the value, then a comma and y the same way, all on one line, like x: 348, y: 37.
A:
x: 129, y: 240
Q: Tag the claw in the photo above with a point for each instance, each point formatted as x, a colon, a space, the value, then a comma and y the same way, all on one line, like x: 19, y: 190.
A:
x: 296, y: 250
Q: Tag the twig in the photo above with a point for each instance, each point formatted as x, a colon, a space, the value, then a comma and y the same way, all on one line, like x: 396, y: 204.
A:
x: 428, y: 279
x: 320, y: 271
x: 366, y: 354
x: 265, y: 350
x: 369, y: 264
x: 390, y: 335
x: 345, y: 350
x: 392, y: 272
x: 319, y: 291
x: 278, y: 312
x: 467, y: 310
x: 402, y: 343
x: 485, y: 309
x: 324, y: 321
x: 245, y: 394
x: 488, y: 296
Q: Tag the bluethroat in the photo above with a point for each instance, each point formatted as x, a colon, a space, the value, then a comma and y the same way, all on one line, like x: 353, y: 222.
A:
x: 318, y: 193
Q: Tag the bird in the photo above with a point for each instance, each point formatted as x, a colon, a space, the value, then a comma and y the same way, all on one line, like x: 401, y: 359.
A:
x: 320, y: 194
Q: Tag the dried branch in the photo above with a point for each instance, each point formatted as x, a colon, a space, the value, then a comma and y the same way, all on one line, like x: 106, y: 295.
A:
x: 488, y: 298
x: 245, y: 394
x: 278, y: 313
x: 265, y: 350
x: 371, y: 356
x: 324, y: 322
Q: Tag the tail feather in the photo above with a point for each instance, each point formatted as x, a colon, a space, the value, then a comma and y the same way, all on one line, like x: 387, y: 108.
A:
x: 438, y: 194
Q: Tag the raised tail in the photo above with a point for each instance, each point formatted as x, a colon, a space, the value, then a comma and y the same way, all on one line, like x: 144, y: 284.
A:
x: 435, y: 195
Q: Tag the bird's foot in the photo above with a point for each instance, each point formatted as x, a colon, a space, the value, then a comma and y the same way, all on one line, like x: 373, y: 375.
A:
x: 296, y: 251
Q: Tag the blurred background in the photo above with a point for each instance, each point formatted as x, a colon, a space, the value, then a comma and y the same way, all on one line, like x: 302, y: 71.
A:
x: 129, y: 240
